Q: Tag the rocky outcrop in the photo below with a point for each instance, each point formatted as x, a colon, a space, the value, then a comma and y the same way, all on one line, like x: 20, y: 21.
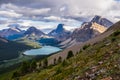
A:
x: 91, y: 29
x: 102, y: 21
x: 60, y: 33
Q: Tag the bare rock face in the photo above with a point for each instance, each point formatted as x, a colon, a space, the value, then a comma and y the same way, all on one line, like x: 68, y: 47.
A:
x: 10, y: 31
x: 82, y: 34
x: 102, y: 21
x: 60, y: 33
x: 34, y: 31
x: 2, y: 40
x: 98, y: 27
x: 91, y: 29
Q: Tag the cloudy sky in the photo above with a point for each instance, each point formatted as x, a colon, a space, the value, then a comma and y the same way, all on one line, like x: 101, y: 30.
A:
x: 46, y: 14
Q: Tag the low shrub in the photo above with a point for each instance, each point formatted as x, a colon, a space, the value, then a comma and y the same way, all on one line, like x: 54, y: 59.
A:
x: 70, y: 54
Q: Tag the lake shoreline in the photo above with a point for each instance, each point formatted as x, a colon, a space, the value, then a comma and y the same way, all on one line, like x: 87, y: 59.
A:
x: 23, y: 57
x: 44, y: 50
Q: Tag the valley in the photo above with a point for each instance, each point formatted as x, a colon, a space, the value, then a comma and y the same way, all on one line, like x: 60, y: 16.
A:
x: 84, y: 53
x: 100, y: 61
x: 59, y: 39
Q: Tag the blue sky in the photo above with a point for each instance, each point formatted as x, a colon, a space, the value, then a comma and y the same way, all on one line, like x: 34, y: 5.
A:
x: 47, y: 14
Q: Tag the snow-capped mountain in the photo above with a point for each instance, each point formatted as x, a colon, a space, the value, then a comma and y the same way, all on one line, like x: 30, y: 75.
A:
x: 91, y: 29
x: 10, y: 32
x: 33, y: 31
x: 88, y: 30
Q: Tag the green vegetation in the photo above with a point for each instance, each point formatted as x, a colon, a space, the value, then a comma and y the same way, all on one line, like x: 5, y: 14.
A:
x: 29, y: 42
x: 86, y: 46
x: 64, y: 63
x: 25, y: 67
x: 33, y: 65
x: 45, y: 63
x: 59, y: 59
x: 55, y: 61
x: 13, y: 49
x: 70, y: 54
x: 116, y: 33
x: 96, y: 62
x: 11, y: 55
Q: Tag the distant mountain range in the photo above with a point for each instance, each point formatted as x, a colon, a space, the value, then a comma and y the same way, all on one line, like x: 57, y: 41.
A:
x: 91, y: 29
x: 10, y: 31
x: 33, y: 31
x: 95, y: 59
x: 95, y: 47
x: 87, y: 31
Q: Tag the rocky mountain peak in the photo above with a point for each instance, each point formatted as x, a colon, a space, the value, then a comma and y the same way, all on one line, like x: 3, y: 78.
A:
x: 96, y: 19
x: 60, y: 28
x: 33, y: 30
x: 15, y: 29
x: 91, y: 29
x: 60, y: 33
x: 102, y: 21
x: 10, y: 31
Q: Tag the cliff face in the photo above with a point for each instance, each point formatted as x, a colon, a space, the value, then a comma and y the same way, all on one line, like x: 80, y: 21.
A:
x: 91, y: 29
x: 60, y: 33
x: 102, y: 21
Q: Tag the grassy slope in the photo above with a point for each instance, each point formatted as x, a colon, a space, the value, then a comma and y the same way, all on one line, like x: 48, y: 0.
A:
x: 29, y: 42
x: 98, y: 61
x: 101, y: 60
x: 12, y: 49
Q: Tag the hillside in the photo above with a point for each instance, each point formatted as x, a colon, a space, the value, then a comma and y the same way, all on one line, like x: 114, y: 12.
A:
x: 101, y: 50
x: 91, y: 29
x: 99, y: 61
x: 87, y: 31
x: 12, y: 49
x: 28, y: 42
x: 76, y: 47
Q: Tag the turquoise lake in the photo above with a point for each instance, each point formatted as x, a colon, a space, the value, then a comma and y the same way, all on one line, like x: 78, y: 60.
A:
x: 45, y: 50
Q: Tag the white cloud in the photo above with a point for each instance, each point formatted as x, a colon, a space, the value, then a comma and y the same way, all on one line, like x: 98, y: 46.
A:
x: 10, y: 14
x: 89, y: 8
x: 63, y: 8
x: 86, y: 8
x: 24, y: 10
x: 54, y: 18
x: 60, y: 11
x: 70, y: 28
x: 39, y: 11
x: 73, y: 8
x: 60, y: 19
